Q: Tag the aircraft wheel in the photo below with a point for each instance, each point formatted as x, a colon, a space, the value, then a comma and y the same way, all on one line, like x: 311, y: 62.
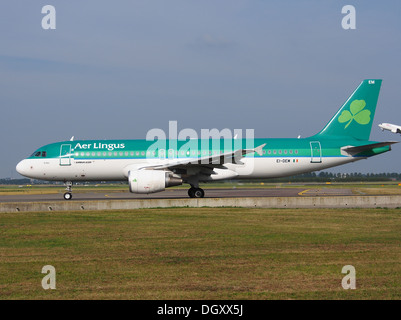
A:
x: 199, y: 193
x: 191, y: 192
x: 67, y: 196
x: 196, y: 192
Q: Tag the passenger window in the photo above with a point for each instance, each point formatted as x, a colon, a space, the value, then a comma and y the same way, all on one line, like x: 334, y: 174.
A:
x: 44, y: 154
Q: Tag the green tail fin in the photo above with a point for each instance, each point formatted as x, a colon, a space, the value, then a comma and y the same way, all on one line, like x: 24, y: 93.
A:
x: 355, y: 117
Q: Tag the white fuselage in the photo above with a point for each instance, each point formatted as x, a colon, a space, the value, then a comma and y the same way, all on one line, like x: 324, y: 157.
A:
x: 390, y: 127
x: 117, y: 169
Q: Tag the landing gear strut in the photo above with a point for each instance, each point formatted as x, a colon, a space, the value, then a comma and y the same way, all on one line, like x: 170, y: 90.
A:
x: 196, y: 192
x: 68, y: 194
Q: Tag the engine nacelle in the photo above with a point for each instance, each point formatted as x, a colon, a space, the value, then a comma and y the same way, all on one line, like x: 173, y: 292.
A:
x: 151, y: 181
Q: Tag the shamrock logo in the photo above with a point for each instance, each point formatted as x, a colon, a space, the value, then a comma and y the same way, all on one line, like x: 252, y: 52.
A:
x: 357, y: 113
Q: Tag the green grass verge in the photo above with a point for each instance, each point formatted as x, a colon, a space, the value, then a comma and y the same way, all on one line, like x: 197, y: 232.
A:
x: 205, y: 253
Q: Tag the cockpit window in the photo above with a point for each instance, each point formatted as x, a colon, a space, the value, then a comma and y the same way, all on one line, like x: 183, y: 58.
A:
x: 39, y: 154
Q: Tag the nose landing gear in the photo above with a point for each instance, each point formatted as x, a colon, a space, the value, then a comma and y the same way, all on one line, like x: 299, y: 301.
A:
x: 68, y: 194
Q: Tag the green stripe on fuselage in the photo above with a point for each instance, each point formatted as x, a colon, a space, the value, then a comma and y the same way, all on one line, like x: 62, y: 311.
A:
x: 142, y: 149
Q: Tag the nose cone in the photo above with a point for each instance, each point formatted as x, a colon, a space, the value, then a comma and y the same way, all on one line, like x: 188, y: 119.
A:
x: 22, y: 168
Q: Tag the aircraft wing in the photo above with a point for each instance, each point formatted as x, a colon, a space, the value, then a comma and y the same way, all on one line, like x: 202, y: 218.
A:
x: 212, y: 160
x: 351, y: 150
x: 205, y: 164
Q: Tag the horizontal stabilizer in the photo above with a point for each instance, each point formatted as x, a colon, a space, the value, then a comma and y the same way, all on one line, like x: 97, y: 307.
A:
x: 351, y: 150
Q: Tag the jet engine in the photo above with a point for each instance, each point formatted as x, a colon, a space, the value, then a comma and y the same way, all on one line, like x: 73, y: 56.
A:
x: 151, y: 181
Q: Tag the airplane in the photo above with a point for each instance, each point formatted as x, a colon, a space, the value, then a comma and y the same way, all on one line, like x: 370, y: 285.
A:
x: 390, y: 127
x: 344, y: 139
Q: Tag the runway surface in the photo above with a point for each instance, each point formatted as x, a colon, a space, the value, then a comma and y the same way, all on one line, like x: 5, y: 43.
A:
x: 180, y: 194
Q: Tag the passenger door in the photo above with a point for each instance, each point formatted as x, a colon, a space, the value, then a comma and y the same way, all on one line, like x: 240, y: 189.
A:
x: 316, y: 152
x: 65, y: 155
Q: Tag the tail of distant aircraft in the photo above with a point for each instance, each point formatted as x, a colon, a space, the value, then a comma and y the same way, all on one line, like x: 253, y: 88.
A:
x: 355, y: 117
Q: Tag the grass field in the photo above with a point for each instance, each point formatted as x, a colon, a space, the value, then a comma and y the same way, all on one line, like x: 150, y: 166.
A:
x: 205, y: 253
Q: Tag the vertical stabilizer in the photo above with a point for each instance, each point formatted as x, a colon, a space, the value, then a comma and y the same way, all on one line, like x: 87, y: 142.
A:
x: 355, y: 117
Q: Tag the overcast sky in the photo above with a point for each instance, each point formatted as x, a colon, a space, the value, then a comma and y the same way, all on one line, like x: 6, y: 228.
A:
x: 116, y: 69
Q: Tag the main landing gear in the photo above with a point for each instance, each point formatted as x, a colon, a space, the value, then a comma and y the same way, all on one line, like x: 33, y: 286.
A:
x: 196, y: 192
x: 68, y: 194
